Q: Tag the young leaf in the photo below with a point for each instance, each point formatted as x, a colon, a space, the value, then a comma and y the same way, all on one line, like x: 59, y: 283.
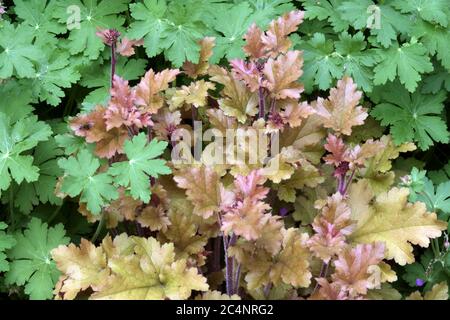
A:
x: 81, y: 178
x: 32, y: 264
x: 341, y: 110
x: 202, y: 189
x: 134, y: 173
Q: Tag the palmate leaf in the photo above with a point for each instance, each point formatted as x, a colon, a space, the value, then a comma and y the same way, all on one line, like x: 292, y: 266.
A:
x: 325, y: 10
x: 52, y: 76
x: 357, y: 59
x: 133, y: 174
x: 38, y: 14
x: 232, y: 27
x: 411, y: 116
x: 436, y: 39
x: 16, y: 138
x: 321, y: 65
x: 32, y: 263
x: 172, y: 26
x: 433, y: 11
x: 43, y: 190
x: 6, y: 242
x: 439, y: 79
x: 437, y: 199
x: 392, y: 22
x: 81, y: 178
x: 16, y: 51
x: 407, y: 61
x: 266, y: 10
x: 93, y: 14
x: 16, y: 99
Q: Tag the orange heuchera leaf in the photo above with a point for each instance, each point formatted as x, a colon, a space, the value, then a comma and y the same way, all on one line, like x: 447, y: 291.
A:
x: 202, y: 186
x: 281, y: 75
x: 125, y: 205
x: 331, y: 227
x: 166, y: 123
x: 237, y: 100
x: 329, y: 291
x: 195, y: 94
x: 337, y: 149
x: 92, y: 127
x: 121, y: 109
x: 220, y: 121
x: 356, y: 269
x: 341, y: 111
x: 294, y: 113
x: 245, y: 213
x: 275, y: 39
x: 246, y: 220
x: 358, y: 155
x: 247, y: 72
x: 396, y: 222
x: 292, y: 263
x: 250, y: 186
x: 206, y: 51
x: 254, y: 48
x: 355, y: 157
x: 82, y: 266
x: 148, y: 91
x: 125, y: 47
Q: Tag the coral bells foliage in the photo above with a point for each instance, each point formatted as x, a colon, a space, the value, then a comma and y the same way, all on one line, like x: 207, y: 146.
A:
x: 170, y: 222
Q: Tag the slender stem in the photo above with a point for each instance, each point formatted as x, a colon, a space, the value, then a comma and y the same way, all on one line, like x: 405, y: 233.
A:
x: 228, y: 279
x: 100, y: 225
x: 272, y: 105
x: 216, y: 254
x: 435, y: 249
x: 237, y: 279
x: 262, y: 102
x: 267, y: 289
x: 348, y: 181
x: 323, y: 273
x: 341, y: 184
x: 229, y: 264
x: 113, y: 62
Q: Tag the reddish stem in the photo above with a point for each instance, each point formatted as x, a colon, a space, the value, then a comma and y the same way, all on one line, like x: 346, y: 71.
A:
x: 113, y: 62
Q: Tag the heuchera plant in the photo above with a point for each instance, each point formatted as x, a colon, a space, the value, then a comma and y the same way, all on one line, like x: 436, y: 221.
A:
x: 198, y: 155
x: 328, y: 223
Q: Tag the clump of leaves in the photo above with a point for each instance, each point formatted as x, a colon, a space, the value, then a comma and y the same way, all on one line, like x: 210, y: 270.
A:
x: 329, y: 216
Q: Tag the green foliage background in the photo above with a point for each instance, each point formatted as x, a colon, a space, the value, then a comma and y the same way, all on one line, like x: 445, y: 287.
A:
x: 49, y: 72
